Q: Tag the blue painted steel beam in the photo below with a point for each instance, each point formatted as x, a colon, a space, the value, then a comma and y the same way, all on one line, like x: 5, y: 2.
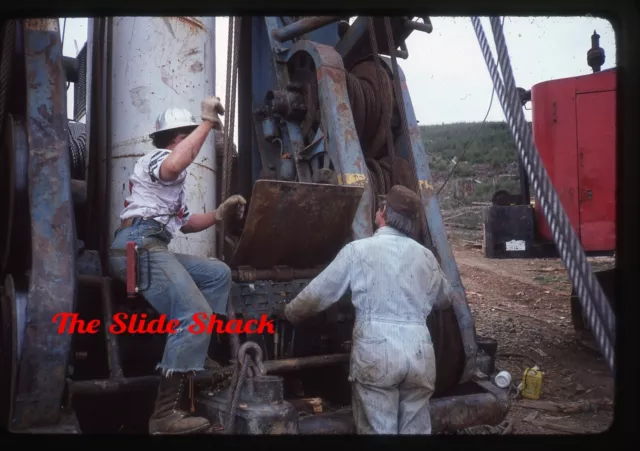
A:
x: 303, y: 26
x: 343, y: 145
x: 437, y: 230
x: 263, y: 78
x: 270, y: 72
x: 52, y: 283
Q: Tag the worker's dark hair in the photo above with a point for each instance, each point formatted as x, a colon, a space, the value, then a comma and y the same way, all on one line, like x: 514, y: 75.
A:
x: 162, y: 139
x: 400, y: 222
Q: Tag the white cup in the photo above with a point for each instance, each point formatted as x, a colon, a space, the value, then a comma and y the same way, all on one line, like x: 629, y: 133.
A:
x: 502, y: 379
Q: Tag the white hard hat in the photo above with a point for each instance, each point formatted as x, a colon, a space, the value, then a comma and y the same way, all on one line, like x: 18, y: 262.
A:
x: 173, y: 118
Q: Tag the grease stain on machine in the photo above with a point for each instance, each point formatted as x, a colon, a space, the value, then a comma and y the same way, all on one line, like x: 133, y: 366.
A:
x: 196, y: 67
x: 195, y: 25
x: 175, y: 72
x: 140, y: 100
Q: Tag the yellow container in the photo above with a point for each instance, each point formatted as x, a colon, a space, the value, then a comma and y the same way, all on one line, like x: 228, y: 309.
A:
x: 532, y: 383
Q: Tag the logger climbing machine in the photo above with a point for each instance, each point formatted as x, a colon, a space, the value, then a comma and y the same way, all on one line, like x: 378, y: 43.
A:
x: 326, y: 124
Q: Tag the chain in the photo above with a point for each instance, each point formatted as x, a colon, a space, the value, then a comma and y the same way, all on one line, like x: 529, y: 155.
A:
x: 596, y: 307
x: 233, y: 52
x: 403, y: 119
x: 247, y: 365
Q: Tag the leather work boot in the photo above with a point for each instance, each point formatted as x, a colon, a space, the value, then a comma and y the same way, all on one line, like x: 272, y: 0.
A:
x: 168, y: 416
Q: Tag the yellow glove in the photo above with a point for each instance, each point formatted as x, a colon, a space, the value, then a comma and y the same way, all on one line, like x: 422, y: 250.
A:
x: 211, y: 108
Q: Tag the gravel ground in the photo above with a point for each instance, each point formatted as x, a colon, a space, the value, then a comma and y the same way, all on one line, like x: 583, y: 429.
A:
x: 524, y: 305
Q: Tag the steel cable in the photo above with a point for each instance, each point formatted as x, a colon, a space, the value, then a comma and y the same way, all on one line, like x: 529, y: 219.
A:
x: 77, y: 149
x: 225, y: 143
x: 233, y: 52
x: 426, y: 236
x: 372, y: 120
x: 493, y: 92
x: 371, y: 97
x: 237, y: 381
x: 598, y: 311
x: 386, y: 113
x: 232, y: 108
x: 246, y: 366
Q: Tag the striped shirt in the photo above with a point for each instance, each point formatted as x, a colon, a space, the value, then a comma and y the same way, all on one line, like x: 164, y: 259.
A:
x: 152, y: 198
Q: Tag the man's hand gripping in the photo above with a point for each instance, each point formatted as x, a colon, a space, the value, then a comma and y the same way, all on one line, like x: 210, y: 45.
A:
x: 211, y: 108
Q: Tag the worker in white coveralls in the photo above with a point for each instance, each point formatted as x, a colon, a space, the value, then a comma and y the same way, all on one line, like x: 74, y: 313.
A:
x: 394, y: 283
x: 179, y: 286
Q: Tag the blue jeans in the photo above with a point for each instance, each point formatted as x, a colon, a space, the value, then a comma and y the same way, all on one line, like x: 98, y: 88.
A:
x: 176, y: 285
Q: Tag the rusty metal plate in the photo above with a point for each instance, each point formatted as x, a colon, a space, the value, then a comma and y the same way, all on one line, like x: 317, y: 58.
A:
x: 301, y: 225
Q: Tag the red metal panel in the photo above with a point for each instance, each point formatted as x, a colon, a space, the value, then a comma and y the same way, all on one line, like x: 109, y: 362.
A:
x: 596, y: 113
x: 574, y: 130
x: 554, y: 133
x: 600, y: 81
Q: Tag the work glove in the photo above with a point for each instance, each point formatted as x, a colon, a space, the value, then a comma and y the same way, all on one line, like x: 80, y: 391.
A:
x: 236, y: 202
x: 211, y: 108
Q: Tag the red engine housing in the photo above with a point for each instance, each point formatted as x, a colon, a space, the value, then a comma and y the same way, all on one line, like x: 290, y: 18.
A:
x: 574, y: 129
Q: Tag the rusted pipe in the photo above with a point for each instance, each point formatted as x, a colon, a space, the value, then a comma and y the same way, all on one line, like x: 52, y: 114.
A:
x: 327, y: 423
x: 107, y: 386
x: 453, y: 413
x: 303, y: 26
x: 448, y: 414
x: 71, y: 68
x: 104, y: 386
x: 279, y: 366
x: 403, y: 54
x: 113, y: 354
x: 426, y: 27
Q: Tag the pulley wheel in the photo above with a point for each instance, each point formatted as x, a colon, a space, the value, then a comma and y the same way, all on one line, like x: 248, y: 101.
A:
x: 13, y: 305
x: 15, y: 238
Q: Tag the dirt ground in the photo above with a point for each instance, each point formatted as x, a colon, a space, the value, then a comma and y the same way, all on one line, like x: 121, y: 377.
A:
x: 525, y: 306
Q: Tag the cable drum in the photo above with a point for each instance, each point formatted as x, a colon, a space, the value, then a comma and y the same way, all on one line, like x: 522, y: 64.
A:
x: 594, y: 303
x: 371, y: 104
x: 371, y: 99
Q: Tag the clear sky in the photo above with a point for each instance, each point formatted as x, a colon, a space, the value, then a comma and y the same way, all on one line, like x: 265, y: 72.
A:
x: 446, y: 73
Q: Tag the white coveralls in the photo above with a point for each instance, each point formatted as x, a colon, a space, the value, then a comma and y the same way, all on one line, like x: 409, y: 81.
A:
x: 394, y: 284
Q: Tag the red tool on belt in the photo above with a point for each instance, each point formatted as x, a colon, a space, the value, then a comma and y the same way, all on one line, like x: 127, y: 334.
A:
x: 132, y: 273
